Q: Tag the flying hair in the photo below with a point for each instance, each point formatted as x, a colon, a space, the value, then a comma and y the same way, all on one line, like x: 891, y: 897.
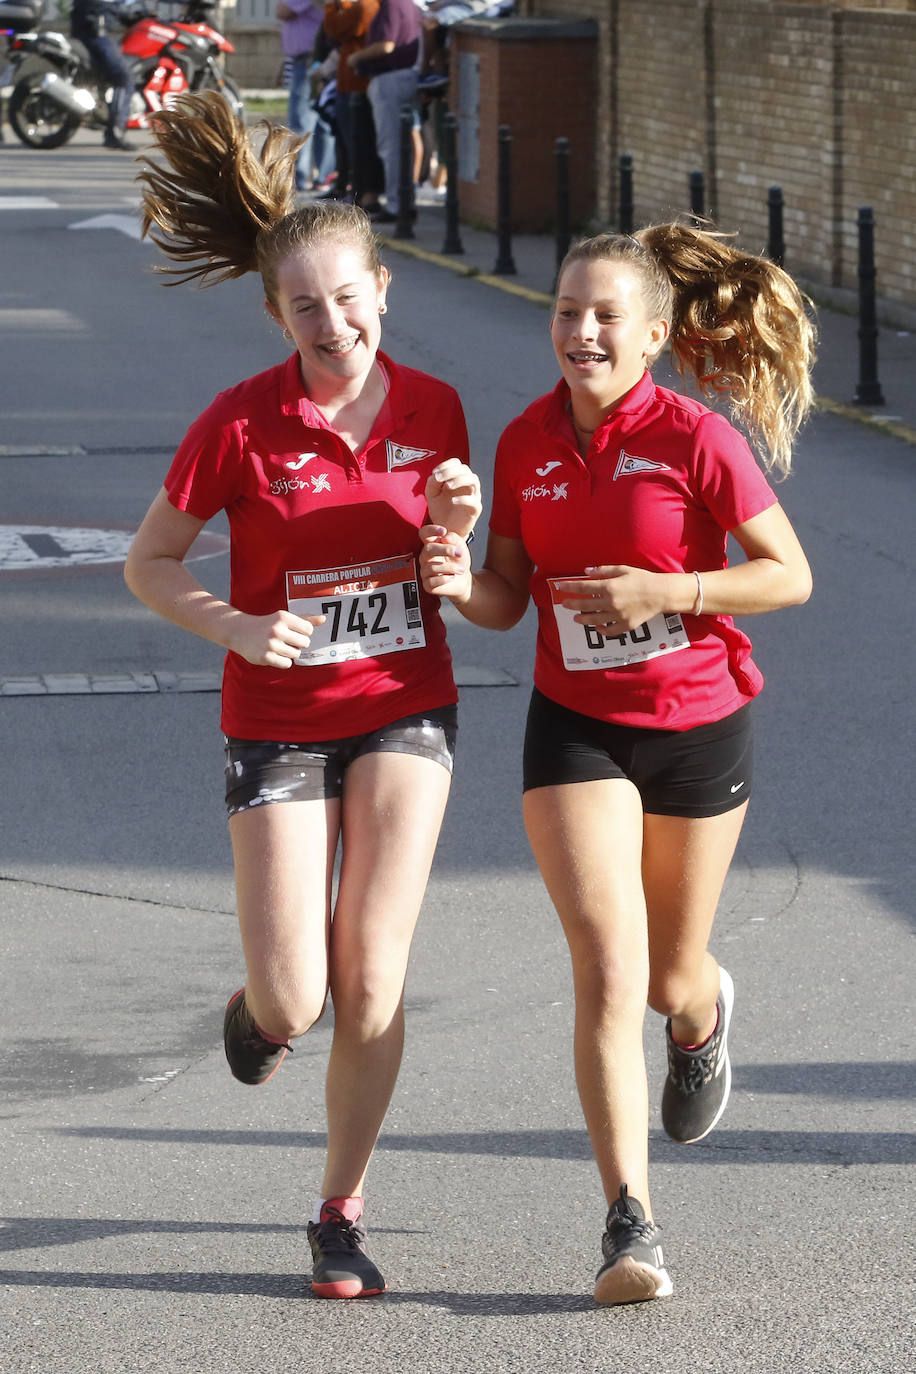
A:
x: 218, y: 198
x: 739, y: 325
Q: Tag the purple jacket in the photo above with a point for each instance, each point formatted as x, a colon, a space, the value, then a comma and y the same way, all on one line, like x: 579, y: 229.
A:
x: 298, y: 35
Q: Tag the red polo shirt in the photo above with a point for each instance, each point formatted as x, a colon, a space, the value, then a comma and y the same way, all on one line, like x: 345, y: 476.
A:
x: 298, y: 500
x: 663, y: 482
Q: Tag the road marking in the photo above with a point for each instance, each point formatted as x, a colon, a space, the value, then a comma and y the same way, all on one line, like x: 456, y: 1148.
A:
x: 28, y: 203
x: 41, y: 548
x: 139, y: 681
x: 125, y: 224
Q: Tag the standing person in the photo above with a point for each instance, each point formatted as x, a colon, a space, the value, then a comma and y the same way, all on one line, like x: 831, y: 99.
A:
x: 613, y: 501
x: 338, y: 701
x: 346, y: 22
x: 300, y: 21
x: 390, y: 60
x: 88, y: 23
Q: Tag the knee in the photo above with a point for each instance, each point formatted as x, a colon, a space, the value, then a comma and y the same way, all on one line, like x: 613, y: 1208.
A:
x: 670, y: 991
x: 608, y: 986
x: 367, y: 1002
x: 288, y: 1017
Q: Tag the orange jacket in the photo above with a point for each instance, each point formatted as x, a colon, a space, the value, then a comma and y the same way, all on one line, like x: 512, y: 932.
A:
x: 346, y: 22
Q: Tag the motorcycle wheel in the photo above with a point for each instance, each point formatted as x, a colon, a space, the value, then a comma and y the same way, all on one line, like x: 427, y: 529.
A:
x: 37, y: 121
x: 227, y: 89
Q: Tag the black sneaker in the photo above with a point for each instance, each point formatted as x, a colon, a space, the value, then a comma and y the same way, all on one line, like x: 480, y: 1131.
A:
x: 252, y: 1059
x: 699, y: 1081
x: 340, y: 1266
x: 634, y: 1264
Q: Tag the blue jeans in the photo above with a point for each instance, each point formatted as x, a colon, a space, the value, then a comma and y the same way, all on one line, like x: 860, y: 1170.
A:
x: 108, y: 62
x: 318, y: 154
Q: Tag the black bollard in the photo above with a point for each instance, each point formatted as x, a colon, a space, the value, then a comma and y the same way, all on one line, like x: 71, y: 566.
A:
x: 868, y: 392
x: 403, y: 228
x: 452, y: 241
x: 562, y: 233
x: 504, y: 263
x: 697, y: 195
x: 776, y: 244
x: 626, y: 193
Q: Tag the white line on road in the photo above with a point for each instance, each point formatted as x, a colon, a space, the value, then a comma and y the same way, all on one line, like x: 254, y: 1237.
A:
x: 28, y: 203
x: 125, y: 224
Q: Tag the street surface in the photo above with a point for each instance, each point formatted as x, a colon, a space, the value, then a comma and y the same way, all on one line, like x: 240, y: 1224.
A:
x: 153, y: 1209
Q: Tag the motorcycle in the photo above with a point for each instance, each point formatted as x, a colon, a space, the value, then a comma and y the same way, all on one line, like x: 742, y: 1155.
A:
x: 166, y: 58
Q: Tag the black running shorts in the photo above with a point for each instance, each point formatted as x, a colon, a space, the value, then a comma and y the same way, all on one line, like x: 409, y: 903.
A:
x: 705, y: 771
x: 259, y: 772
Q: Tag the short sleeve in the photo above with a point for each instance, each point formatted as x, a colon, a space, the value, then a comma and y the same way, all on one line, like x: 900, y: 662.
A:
x: 729, y: 480
x: 205, y: 472
x: 505, y: 515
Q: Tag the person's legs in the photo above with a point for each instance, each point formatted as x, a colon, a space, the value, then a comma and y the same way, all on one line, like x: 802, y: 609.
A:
x: 388, y: 93
x: 301, y: 118
x: 106, y: 57
x: 685, y: 862
x: 284, y: 856
x: 368, y: 174
x: 392, y: 813
x: 587, y: 840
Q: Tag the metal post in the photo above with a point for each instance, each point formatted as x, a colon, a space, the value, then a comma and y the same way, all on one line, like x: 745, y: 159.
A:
x: 626, y: 193
x: 868, y: 392
x: 562, y: 233
x: 697, y: 195
x: 403, y: 228
x: 505, y: 265
x: 452, y: 241
x: 776, y: 244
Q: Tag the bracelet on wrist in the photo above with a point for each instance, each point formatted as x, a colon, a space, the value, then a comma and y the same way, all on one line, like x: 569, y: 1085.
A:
x: 698, y: 604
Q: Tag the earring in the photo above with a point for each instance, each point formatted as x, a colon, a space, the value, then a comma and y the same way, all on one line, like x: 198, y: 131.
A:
x: 383, y: 309
x: 288, y: 336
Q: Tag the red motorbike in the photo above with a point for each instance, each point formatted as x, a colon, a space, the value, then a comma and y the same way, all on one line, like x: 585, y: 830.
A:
x: 60, y: 91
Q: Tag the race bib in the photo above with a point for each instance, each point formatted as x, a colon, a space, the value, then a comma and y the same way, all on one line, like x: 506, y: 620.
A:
x: 585, y: 650
x: 370, y: 610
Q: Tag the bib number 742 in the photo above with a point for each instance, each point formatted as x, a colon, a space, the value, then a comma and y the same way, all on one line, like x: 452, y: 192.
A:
x: 370, y: 610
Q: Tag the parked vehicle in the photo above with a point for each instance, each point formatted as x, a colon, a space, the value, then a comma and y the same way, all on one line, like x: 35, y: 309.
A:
x: 167, y: 57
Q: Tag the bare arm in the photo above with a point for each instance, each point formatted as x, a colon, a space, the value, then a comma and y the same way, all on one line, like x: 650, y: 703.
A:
x: 156, y: 574
x: 497, y: 596
x: 776, y: 574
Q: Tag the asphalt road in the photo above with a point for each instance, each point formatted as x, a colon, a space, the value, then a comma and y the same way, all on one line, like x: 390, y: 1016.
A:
x: 152, y: 1208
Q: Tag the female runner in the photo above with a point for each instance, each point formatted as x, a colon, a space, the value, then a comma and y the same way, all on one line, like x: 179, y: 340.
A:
x: 612, y: 503
x: 338, y: 701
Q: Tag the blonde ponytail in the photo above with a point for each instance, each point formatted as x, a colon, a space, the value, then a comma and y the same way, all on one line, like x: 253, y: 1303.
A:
x: 739, y: 325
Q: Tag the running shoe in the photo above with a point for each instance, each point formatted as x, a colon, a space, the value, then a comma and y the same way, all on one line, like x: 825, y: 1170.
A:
x: 634, y: 1268
x: 699, y: 1081
x: 340, y: 1266
x: 252, y: 1059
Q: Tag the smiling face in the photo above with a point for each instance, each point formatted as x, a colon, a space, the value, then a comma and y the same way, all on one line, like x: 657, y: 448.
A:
x: 329, y: 301
x: 602, y: 334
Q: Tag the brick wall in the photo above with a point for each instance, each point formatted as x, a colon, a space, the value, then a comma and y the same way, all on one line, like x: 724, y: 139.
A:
x: 879, y: 138
x: 774, y: 128
x: 539, y: 79
x: 815, y: 97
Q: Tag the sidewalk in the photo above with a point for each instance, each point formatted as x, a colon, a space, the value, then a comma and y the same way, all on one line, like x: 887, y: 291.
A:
x: 836, y: 373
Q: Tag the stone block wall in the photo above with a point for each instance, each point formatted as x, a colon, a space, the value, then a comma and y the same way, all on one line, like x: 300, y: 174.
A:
x: 817, y: 98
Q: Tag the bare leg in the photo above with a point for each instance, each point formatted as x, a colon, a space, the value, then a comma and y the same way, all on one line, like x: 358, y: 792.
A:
x: 392, y: 812
x: 685, y: 863
x: 284, y: 857
x: 587, y: 839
